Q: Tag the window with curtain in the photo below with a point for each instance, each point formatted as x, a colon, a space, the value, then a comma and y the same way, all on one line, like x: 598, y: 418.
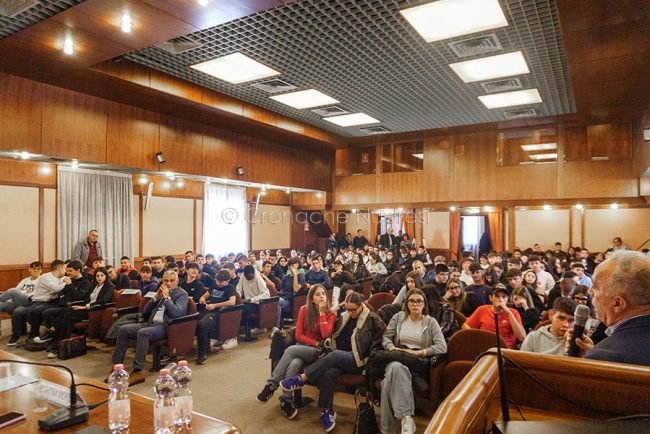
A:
x: 472, y: 229
x: 93, y: 199
x: 225, y: 222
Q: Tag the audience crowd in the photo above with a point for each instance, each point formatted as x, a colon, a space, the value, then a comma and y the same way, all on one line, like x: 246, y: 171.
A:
x: 533, y: 294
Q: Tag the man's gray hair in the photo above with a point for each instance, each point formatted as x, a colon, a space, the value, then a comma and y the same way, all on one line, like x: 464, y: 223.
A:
x: 170, y: 272
x: 630, y: 277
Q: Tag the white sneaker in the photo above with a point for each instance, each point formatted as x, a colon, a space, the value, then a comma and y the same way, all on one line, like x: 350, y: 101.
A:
x: 408, y: 425
x: 257, y: 331
x: 274, y: 330
x: 230, y: 343
x: 52, y: 355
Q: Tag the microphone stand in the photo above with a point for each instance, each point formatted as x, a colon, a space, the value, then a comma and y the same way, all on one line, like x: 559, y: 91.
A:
x: 63, y: 417
x: 505, y: 410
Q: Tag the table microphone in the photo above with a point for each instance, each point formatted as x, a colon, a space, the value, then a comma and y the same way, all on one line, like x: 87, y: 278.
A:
x: 63, y: 417
x: 580, y: 319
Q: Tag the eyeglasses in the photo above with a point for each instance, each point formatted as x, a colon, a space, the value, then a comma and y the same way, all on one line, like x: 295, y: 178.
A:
x: 581, y: 299
x: 352, y: 309
x: 416, y: 302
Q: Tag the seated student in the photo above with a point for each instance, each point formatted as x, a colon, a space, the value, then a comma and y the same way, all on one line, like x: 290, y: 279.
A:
x: 440, y: 277
x: 340, y: 276
x: 375, y: 267
x: 550, y: 339
x: 293, y: 283
x: 62, y: 324
x: 148, y: 283
x: 440, y: 310
x: 413, y: 280
x: 19, y: 296
x: 120, y: 281
x: 230, y: 268
x: 127, y: 269
x: 98, y: 262
x: 192, y: 285
x: 564, y: 288
x: 390, y: 262
x: 317, y: 275
x: 544, y: 278
x: 75, y: 291
x: 356, y: 333
x: 180, y: 270
x: 314, y: 324
x: 516, y: 281
x: 170, y: 302
x: 46, y: 294
x: 272, y: 282
x: 523, y: 302
x: 357, y: 267
x: 222, y: 294
x: 414, y: 332
x: 210, y: 267
x: 530, y: 281
x: 460, y: 300
x: 251, y: 289
x: 147, y: 262
x: 424, y: 256
x: 511, y: 328
x: 583, y: 279
x: 157, y: 267
x: 478, y: 285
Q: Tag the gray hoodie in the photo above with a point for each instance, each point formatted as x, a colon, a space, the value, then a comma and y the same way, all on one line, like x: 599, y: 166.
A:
x: 544, y: 342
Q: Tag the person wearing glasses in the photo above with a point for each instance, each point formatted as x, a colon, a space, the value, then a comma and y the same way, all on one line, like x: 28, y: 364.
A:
x: 460, y: 300
x: 418, y: 335
x: 356, y: 332
x: 170, y: 302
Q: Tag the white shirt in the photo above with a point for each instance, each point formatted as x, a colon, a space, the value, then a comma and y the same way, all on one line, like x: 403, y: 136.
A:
x: 545, y: 280
x: 94, y: 294
x: 27, y: 285
x: 47, y: 288
x: 253, y: 290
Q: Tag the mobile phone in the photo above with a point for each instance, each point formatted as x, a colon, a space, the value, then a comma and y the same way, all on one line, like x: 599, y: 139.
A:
x: 9, y: 418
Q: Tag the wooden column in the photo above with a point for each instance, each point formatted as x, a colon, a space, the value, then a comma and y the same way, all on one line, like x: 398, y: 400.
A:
x: 511, y: 229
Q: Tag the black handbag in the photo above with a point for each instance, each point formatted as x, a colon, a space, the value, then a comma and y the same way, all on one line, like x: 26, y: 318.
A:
x: 72, y: 347
x: 365, y: 421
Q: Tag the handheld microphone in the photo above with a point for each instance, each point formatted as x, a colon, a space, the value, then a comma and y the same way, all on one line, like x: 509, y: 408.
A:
x: 580, y: 319
x: 505, y: 409
x: 63, y: 417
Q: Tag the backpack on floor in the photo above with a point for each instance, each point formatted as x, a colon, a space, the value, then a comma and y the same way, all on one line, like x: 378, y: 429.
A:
x: 30, y: 345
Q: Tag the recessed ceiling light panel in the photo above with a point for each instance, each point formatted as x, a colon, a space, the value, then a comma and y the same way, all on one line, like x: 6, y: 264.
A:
x: 235, y: 68
x: 488, y: 68
x: 445, y: 19
x: 352, y: 119
x: 508, y: 99
x: 304, y: 99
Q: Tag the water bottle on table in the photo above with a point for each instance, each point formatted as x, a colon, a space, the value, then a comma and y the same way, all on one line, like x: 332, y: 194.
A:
x: 164, y: 407
x: 119, y: 403
x: 183, y: 396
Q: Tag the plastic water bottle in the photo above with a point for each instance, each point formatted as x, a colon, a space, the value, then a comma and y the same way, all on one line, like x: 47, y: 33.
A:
x: 119, y: 403
x: 183, y: 396
x: 164, y: 407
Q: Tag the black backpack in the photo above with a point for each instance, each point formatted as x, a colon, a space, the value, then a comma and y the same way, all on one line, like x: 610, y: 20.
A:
x: 30, y: 345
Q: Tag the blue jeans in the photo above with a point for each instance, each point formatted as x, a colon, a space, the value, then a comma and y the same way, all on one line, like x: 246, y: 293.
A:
x: 11, y: 299
x: 294, y: 358
x: 281, y: 305
x: 324, y: 372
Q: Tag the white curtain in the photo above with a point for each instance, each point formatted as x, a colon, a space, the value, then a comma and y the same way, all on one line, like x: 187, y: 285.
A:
x: 473, y: 228
x: 225, y: 222
x: 92, y: 199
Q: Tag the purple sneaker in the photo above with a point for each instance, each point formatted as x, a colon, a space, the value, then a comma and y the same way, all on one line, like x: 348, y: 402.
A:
x: 329, y: 420
x: 292, y: 383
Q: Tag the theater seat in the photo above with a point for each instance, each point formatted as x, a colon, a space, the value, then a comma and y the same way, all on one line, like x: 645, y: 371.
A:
x: 460, y: 318
x: 263, y: 317
x: 124, y: 304
x: 229, y: 321
x: 462, y: 349
x: 135, y: 284
x: 180, y: 335
x: 92, y: 327
x: 366, y: 287
x: 380, y: 299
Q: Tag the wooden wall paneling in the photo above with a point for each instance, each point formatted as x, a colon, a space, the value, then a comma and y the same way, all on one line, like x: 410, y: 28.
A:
x: 181, y: 142
x: 404, y: 187
x: 132, y: 136
x: 222, y: 102
x: 614, y: 179
x: 268, y: 197
x: 74, y: 125
x: 29, y: 173
x: 575, y: 142
x: 322, y: 170
x: 475, y: 168
x: 302, y: 169
x: 172, y: 85
x: 609, y: 140
x: 536, y: 181
x: 10, y: 275
x: 21, y: 104
x: 353, y: 190
x: 259, y: 114
x: 219, y: 154
x: 437, y: 169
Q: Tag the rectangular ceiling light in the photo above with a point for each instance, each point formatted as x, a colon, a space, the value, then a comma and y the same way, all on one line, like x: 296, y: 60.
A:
x: 304, y: 99
x: 508, y: 99
x: 543, y: 156
x: 445, y: 19
x: 488, y: 68
x: 352, y: 119
x: 539, y: 147
x: 420, y: 156
x: 235, y: 68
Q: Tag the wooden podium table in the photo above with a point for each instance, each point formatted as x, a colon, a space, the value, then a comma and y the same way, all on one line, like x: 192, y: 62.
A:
x: 615, y: 389
x: 20, y: 400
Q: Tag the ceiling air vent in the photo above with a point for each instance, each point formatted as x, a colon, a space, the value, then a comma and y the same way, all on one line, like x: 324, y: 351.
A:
x: 520, y: 113
x: 11, y: 8
x: 504, y: 85
x: 179, y: 45
x: 274, y: 86
x: 329, y: 111
x: 476, y: 46
x: 374, y: 130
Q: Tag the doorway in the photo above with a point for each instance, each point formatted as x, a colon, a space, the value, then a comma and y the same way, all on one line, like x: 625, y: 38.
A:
x: 472, y: 228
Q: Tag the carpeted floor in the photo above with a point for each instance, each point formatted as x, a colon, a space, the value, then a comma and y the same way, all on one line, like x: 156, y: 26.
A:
x: 224, y: 388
